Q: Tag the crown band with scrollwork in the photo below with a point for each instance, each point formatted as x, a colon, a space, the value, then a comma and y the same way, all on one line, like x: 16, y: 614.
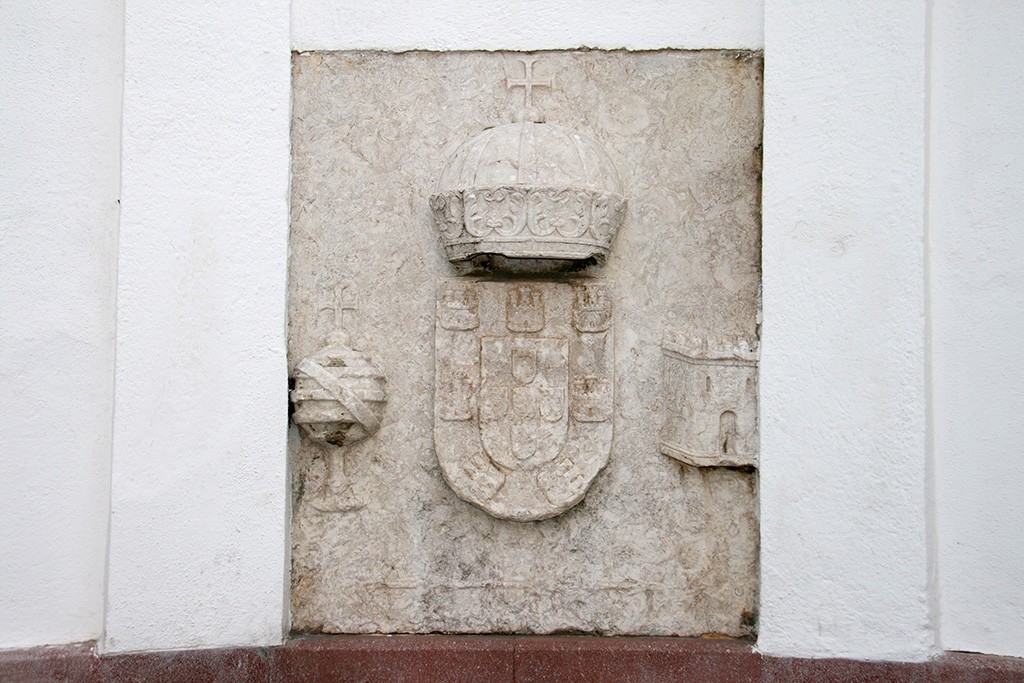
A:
x: 528, y: 222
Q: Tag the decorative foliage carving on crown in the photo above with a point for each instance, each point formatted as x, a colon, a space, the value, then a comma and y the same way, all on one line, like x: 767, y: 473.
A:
x: 528, y: 190
x: 528, y: 222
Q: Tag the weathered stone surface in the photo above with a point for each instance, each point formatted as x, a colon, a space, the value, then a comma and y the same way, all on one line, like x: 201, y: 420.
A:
x: 655, y: 547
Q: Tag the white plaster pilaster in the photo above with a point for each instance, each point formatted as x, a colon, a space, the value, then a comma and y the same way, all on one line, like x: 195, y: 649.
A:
x: 977, y: 288
x: 198, y: 551
x: 60, y: 122
x: 844, y: 485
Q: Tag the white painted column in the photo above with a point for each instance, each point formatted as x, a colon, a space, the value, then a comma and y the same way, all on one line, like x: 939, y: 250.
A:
x: 198, y: 551
x: 60, y: 123
x: 977, y: 229
x: 844, y: 482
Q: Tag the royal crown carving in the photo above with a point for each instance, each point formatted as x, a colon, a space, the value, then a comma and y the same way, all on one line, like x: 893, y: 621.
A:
x: 528, y: 190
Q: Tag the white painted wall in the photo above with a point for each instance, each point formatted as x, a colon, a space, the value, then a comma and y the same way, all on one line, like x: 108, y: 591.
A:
x: 844, y: 557
x: 198, y: 546
x: 977, y: 238
x: 60, y: 102
x: 525, y: 24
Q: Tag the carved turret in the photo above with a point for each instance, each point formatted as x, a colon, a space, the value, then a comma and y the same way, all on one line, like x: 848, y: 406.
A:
x: 711, y: 417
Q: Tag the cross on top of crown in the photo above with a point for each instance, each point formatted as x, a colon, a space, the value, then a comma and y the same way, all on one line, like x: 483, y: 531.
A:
x: 527, y: 82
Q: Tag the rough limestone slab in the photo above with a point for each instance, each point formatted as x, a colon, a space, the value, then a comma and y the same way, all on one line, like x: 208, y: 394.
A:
x: 656, y: 546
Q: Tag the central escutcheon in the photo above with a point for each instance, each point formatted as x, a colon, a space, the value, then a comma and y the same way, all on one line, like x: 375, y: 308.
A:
x: 524, y: 392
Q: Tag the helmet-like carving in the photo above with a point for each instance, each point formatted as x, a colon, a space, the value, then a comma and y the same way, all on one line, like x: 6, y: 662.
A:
x: 528, y: 190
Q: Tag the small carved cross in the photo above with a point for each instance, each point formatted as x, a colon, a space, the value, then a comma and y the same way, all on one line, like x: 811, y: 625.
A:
x: 348, y: 304
x: 527, y: 82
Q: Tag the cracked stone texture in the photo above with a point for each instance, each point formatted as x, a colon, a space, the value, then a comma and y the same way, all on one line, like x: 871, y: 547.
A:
x: 656, y: 546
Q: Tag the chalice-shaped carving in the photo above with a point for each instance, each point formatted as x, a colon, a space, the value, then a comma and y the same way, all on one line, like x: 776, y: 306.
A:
x: 339, y: 400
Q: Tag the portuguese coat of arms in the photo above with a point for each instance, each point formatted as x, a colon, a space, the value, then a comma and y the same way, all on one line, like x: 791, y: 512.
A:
x: 524, y: 392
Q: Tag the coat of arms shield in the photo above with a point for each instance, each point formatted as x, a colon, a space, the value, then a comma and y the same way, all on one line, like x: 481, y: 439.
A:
x: 523, y: 393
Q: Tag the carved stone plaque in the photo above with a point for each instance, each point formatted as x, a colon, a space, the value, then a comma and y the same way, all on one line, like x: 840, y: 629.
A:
x: 524, y: 392
x: 501, y: 389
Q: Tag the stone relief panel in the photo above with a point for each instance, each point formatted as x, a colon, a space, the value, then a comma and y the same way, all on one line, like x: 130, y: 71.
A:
x: 656, y: 546
x: 524, y: 394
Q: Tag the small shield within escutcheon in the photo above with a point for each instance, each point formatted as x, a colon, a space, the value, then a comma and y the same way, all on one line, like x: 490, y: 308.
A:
x: 533, y: 367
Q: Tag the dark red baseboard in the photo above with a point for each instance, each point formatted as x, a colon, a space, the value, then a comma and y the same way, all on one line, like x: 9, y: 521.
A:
x: 490, y: 659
